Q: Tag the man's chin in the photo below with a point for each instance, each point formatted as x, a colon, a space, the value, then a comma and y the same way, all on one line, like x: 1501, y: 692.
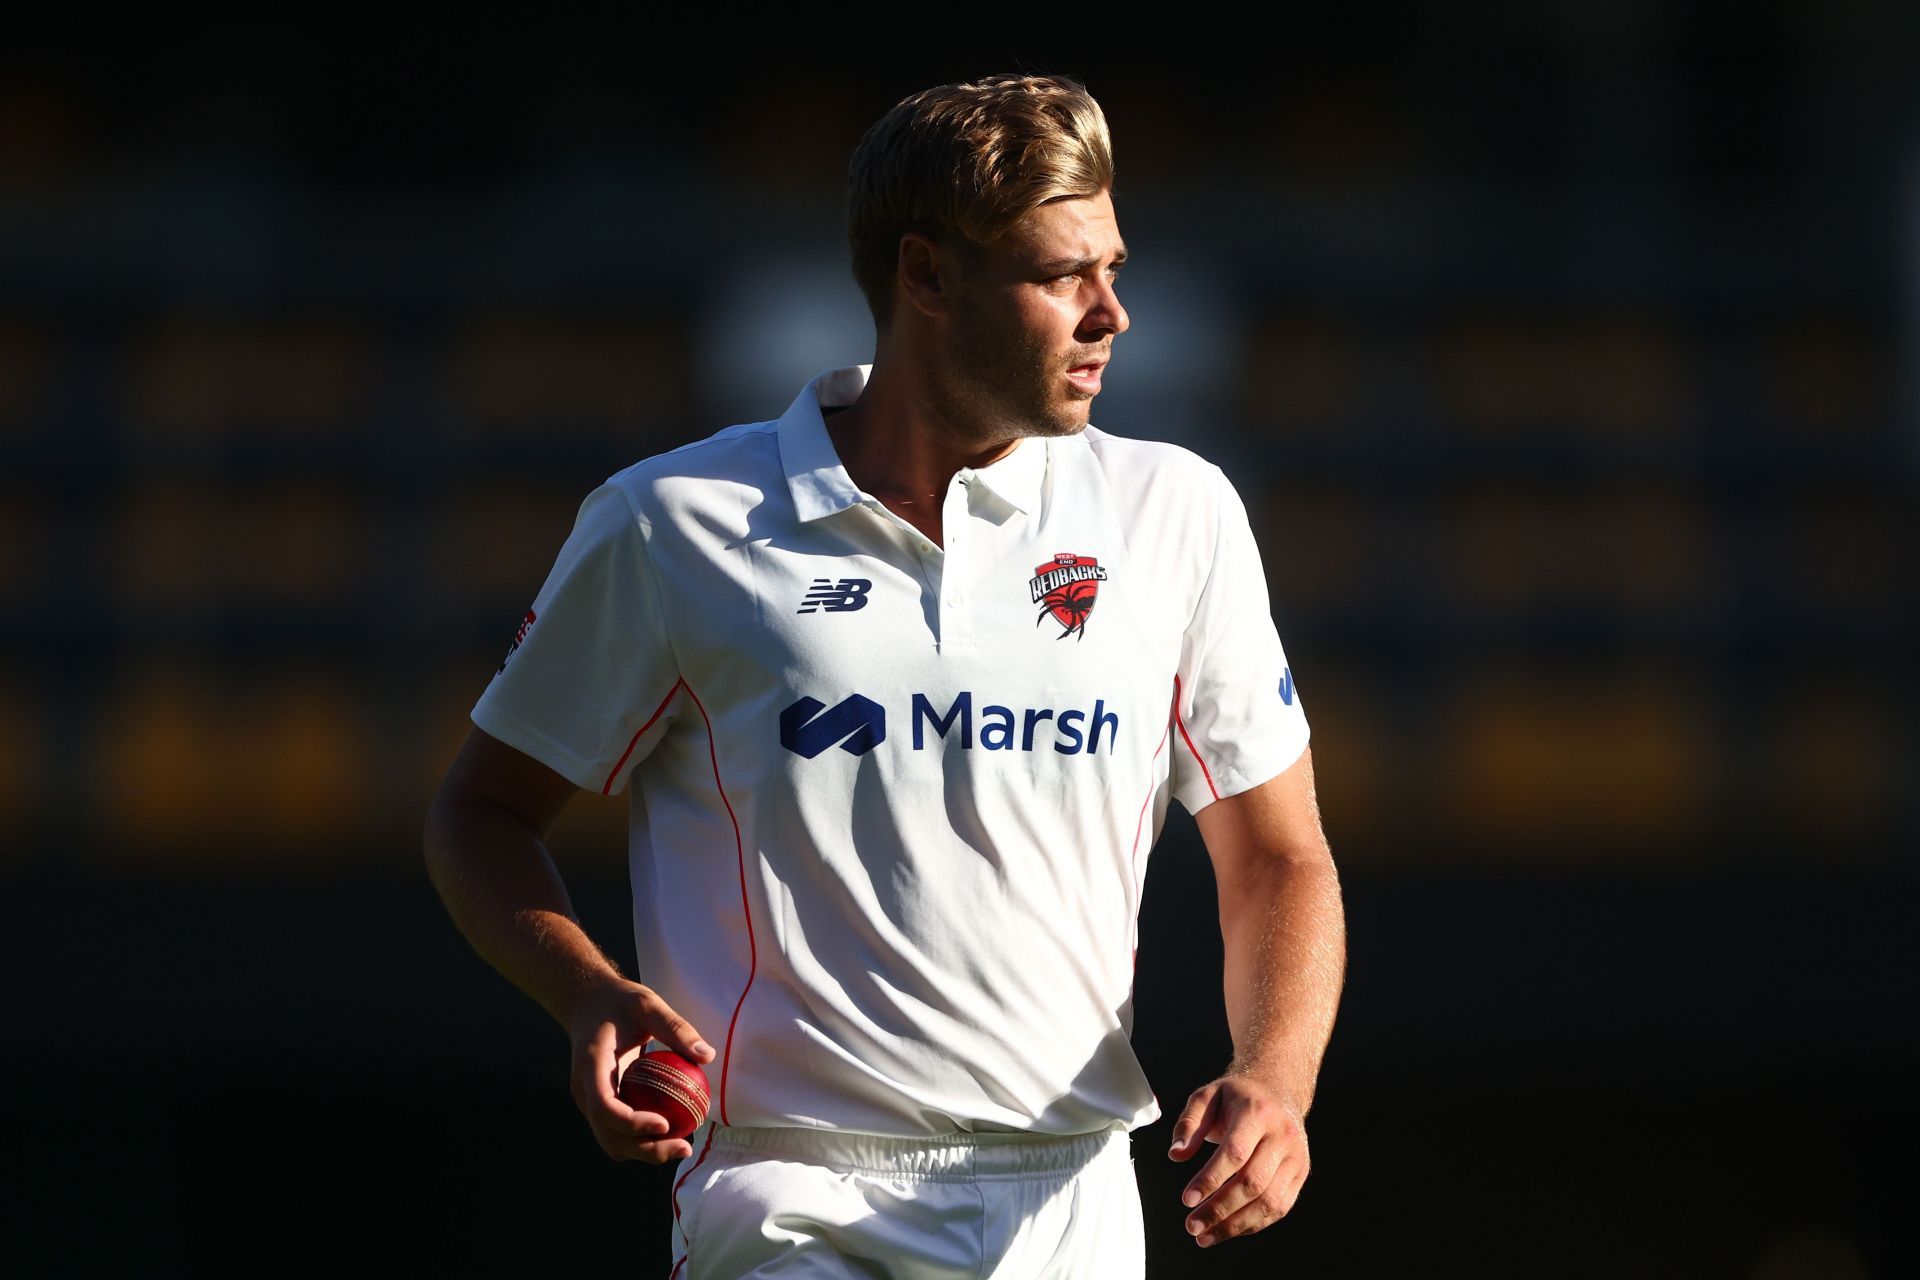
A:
x: 1059, y: 427
x: 1064, y: 419
x: 1064, y: 416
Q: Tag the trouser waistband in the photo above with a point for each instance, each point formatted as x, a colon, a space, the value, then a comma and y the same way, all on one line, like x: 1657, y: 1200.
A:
x: 950, y: 1156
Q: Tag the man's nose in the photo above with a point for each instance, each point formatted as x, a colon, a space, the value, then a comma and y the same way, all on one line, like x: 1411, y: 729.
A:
x: 1107, y: 313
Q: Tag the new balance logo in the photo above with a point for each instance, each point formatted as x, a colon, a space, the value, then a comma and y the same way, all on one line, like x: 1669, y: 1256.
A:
x: 1286, y: 685
x: 856, y: 726
x: 836, y: 597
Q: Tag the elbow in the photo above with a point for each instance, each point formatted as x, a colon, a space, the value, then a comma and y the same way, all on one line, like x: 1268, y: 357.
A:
x: 1281, y: 867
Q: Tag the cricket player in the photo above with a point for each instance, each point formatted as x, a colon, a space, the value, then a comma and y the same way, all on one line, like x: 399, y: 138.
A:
x: 899, y: 686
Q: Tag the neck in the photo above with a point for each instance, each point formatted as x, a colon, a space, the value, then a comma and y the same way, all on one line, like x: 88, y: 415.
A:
x: 895, y: 443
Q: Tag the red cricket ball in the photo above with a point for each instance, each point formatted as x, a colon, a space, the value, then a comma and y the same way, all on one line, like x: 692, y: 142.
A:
x: 668, y: 1085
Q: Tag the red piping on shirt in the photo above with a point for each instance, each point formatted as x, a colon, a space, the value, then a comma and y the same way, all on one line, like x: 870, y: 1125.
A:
x: 1204, y: 772
x: 607, y: 790
x: 740, y: 851
x: 1139, y: 823
x: 679, y: 1183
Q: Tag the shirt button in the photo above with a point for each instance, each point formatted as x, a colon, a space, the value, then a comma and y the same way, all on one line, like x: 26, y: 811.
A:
x: 953, y: 600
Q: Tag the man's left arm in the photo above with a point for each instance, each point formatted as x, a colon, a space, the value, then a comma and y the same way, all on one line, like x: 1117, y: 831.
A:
x: 1285, y: 939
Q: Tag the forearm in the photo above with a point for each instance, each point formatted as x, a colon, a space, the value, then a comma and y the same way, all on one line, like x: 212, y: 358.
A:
x: 1284, y: 931
x: 505, y: 894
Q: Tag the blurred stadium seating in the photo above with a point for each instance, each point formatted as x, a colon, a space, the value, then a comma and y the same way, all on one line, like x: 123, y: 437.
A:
x: 1548, y: 493
x: 1565, y: 365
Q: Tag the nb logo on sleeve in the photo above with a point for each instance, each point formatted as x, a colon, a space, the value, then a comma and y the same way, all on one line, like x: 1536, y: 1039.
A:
x: 1286, y: 685
x: 519, y: 638
x: 836, y: 597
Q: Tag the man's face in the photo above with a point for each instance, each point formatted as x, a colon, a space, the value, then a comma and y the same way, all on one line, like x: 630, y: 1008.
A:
x: 1034, y: 319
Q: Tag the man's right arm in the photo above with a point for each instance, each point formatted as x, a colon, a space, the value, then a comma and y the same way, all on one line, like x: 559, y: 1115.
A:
x: 486, y: 853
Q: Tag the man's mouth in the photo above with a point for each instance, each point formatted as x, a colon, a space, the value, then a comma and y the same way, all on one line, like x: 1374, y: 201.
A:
x: 1086, y: 377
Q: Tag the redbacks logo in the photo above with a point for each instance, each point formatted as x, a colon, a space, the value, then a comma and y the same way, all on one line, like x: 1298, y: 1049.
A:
x: 526, y: 625
x: 1065, y: 587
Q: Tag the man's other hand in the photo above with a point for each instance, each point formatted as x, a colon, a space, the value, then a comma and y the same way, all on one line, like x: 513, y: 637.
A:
x: 610, y: 1028
x: 1260, y: 1161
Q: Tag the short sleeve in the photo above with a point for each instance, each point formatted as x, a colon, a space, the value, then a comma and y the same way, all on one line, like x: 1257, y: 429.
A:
x: 584, y: 687
x: 1238, y: 719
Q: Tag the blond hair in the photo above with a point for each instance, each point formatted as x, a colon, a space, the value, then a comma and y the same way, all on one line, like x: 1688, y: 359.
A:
x: 965, y: 162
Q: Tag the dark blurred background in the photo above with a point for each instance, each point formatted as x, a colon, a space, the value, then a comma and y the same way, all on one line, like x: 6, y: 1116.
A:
x: 1565, y: 356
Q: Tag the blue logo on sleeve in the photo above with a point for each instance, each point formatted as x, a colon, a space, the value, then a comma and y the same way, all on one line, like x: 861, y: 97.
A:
x: 1286, y: 685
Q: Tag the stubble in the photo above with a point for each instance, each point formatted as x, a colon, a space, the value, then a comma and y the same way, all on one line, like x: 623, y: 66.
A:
x: 1001, y: 382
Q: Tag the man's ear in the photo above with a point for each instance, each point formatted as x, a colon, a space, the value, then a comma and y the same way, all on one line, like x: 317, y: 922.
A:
x: 928, y: 273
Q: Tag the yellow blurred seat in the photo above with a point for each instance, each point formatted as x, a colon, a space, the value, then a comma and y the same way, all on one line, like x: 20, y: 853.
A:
x: 195, y: 767
x: 1616, y: 763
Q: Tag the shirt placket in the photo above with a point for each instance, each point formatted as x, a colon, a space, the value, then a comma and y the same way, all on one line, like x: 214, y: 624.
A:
x: 956, y: 604
x: 943, y: 570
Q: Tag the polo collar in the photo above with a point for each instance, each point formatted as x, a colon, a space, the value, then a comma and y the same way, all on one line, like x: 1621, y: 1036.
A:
x: 819, y: 482
x: 1016, y: 479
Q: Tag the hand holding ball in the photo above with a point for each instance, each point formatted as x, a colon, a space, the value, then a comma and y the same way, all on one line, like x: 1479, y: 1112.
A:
x: 668, y: 1085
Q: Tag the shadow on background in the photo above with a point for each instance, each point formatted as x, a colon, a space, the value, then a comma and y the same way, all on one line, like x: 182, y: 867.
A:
x: 1565, y: 364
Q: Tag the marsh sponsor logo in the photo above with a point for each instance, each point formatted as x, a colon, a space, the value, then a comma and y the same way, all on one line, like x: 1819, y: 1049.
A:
x: 858, y: 724
x: 1004, y: 729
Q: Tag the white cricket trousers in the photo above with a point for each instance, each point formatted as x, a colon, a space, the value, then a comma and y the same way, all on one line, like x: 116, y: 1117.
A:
x: 828, y: 1205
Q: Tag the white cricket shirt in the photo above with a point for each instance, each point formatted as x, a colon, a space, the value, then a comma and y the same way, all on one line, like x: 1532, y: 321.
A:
x: 890, y: 803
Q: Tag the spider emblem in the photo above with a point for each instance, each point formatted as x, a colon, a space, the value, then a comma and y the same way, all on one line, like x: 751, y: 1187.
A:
x: 1065, y: 589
